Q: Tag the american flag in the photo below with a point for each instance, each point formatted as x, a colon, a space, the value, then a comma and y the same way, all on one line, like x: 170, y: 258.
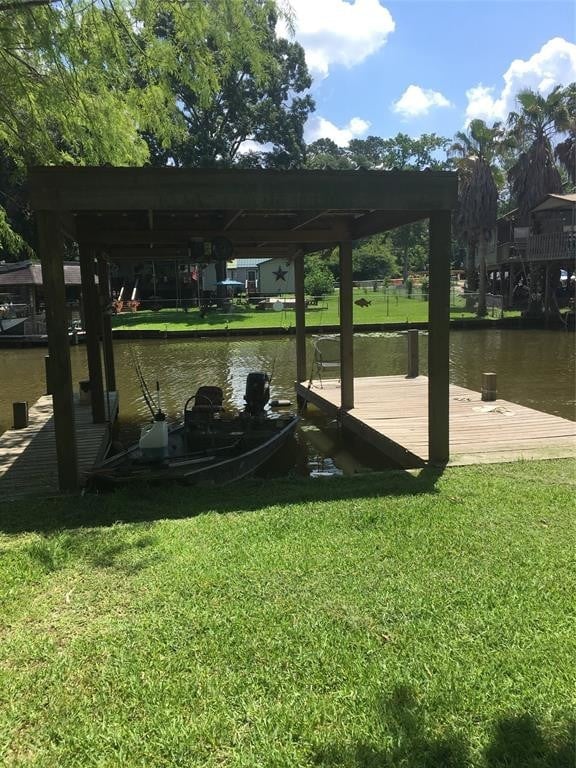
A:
x: 194, y: 273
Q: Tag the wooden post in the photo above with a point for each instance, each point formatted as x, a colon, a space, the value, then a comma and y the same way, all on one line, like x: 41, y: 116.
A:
x: 413, y: 356
x: 48, y: 374
x: 489, y: 387
x: 439, y: 339
x: 511, y: 280
x: 300, y: 318
x: 547, y: 293
x: 92, y: 328
x: 346, y: 327
x: 20, y: 415
x: 50, y: 246
x: 104, y: 286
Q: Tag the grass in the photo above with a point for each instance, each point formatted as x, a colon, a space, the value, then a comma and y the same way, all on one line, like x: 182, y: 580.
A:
x: 386, y: 620
x: 381, y: 310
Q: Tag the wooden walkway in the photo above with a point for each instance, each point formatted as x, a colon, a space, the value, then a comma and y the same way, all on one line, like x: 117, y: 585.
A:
x: 391, y: 414
x: 28, y: 456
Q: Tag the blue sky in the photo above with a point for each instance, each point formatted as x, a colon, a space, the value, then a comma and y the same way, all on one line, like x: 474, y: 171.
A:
x: 425, y: 66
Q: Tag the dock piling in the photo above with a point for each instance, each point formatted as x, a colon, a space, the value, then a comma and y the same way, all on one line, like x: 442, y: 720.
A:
x: 489, y: 387
x: 47, y: 373
x: 413, y: 356
x: 20, y: 415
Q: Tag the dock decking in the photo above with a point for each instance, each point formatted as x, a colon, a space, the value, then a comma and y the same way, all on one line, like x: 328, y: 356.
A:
x: 391, y: 413
x: 28, y: 456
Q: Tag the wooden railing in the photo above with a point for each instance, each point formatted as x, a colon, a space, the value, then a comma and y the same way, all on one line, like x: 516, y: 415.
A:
x: 551, y: 246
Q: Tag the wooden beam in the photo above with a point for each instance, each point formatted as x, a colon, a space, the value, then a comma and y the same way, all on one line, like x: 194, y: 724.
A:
x: 231, y: 218
x: 307, y: 218
x: 438, y: 339
x: 383, y: 221
x: 107, y: 343
x: 92, y: 325
x: 115, y: 237
x: 50, y: 245
x: 177, y: 189
x: 346, y: 327
x: 300, y: 318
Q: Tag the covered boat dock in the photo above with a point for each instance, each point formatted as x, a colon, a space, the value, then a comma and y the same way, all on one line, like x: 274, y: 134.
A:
x: 169, y: 213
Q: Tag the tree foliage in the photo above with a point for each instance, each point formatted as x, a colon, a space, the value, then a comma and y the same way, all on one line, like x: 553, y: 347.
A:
x: 120, y: 81
x: 401, y: 152
x: 257, y: 83
x: 535, y: 173
x: 373, y: 259
x: 318, y: 279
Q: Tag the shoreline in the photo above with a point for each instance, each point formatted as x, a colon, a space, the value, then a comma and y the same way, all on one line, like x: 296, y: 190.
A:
x: 509, y: 323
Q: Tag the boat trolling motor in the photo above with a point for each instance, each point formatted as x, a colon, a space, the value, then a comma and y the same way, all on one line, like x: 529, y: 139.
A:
x: 257, y: 392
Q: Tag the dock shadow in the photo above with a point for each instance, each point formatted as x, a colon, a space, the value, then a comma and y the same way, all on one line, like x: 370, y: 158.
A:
x: 141, y: 502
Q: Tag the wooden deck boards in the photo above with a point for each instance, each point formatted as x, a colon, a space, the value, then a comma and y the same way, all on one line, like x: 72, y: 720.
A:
x: 28, y: 456
x: 391, y: 413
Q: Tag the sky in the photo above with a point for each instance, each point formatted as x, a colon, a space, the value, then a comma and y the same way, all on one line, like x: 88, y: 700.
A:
x: 423, y: 66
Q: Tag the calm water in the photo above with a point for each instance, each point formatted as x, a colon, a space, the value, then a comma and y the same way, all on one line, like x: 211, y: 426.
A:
x: 535, y: 368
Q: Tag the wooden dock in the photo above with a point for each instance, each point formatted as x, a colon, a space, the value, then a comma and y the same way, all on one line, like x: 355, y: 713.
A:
x: 28, y: 456
x: 391, y: 413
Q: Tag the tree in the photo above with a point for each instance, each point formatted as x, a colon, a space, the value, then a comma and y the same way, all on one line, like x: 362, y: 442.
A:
x: 565, y: 151
x: 324, y: 153
x: 373, y: 259
x: 477, y: 151
x: 66, y: 95
x: 318, y: 280
x: 534, y: 175
x: 110, y: 82
x: 258, y: 82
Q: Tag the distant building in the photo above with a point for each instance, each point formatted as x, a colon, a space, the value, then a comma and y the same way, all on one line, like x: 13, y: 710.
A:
x: 527, y: 254
x: 21, y: 284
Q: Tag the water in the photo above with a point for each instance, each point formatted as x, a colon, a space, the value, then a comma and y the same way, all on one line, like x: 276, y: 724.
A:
x: 535, y: 368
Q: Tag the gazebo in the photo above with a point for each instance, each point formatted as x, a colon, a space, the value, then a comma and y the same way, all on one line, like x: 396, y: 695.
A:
x: 164, y: 213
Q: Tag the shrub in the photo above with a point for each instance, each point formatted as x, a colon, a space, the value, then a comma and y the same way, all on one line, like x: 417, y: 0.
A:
x: 319, y: 281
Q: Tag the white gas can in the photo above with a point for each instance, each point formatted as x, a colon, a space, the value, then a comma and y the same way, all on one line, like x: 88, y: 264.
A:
x: 154, y: 441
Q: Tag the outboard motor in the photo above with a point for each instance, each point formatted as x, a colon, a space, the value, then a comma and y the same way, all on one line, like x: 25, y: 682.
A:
x: 257, y: 392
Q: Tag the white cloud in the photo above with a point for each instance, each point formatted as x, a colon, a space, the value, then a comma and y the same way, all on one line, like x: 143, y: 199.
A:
x: 249, y: 145
x: 320, y: 128
x: 338, y: 32
x: 554, y: 64
x: 417, y: 101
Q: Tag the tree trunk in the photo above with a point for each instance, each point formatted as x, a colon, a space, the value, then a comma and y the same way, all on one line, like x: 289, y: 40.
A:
x: 481, y: 311
x: 471, y: 276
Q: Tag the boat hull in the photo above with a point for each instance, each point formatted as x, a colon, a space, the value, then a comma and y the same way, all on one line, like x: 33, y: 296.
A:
x: 247, y: 450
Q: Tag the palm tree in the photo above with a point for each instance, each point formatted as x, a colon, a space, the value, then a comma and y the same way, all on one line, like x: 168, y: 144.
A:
x: 535, y: 174
x: 565, y: 151
x: 476, y: 152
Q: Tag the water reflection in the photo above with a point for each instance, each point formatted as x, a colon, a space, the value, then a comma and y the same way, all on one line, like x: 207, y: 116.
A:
x: 535, y: 368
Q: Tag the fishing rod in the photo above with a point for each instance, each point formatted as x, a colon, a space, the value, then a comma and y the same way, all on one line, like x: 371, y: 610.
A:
x: 143, y: 386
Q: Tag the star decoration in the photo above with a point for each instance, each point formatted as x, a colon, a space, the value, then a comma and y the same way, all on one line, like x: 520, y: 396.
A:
x: 280, y: 274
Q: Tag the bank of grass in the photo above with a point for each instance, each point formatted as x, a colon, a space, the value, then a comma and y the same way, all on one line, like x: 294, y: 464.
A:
x: 380, y: 310
x: 388, y: 620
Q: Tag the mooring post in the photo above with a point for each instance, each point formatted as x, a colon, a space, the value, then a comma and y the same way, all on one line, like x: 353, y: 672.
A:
x: 489, y: 386
x: 20, y: 415
x: 413, y: 356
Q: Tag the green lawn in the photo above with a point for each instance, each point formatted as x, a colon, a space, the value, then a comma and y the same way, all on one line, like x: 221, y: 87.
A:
x: 394, y: 309
x: 386, y: 620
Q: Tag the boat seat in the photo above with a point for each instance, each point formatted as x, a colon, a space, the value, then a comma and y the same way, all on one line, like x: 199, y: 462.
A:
x: 207, y: 402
